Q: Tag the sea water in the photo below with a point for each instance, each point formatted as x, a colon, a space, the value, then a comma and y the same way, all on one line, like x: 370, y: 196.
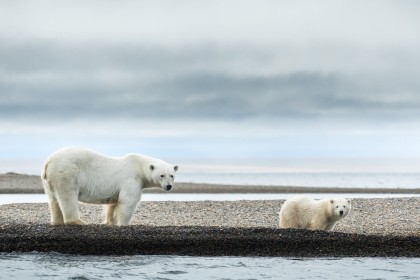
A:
x: 305, y: 179
x: 59, y: 266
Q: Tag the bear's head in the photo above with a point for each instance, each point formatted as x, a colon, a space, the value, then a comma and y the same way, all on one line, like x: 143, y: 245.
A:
x: 163, y: 175
x: 340, y: 207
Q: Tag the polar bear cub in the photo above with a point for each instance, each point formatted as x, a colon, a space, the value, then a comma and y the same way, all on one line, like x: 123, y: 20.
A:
x: 71, y: 175
x: 304, y: 212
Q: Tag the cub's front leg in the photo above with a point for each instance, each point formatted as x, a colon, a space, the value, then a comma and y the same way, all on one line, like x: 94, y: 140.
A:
x: 316, y: 222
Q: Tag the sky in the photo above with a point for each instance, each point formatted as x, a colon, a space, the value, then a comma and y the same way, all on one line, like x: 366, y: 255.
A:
x: 211, y: 79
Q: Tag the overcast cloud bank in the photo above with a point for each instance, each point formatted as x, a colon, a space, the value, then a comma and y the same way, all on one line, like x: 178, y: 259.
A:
x: 211, y: 79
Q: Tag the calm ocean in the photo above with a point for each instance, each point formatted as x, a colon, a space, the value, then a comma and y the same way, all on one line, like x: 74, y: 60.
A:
x: 321, y: 179
x: 58, y: 266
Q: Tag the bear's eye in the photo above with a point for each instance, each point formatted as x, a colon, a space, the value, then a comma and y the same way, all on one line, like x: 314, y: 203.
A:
x: 336, y: 206
x: 161, y: 176
x: 344, y: 206
x: 172, y: 176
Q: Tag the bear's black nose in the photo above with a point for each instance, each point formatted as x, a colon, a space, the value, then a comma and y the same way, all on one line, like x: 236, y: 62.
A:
x: 168, y: 187
x: 341, y: 213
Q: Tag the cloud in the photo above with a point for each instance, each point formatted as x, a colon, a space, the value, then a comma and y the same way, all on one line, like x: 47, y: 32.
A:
x: 48, y: 70
x: 212, y: 74
x: 219, y: 22
x: 59, y: 83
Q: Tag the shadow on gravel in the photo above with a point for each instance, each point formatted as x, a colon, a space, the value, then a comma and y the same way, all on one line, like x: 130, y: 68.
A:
x: 201, y: 241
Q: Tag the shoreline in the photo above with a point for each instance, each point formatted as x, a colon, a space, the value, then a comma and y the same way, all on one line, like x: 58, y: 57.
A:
x: 387, y: 227
x: 376, y: 227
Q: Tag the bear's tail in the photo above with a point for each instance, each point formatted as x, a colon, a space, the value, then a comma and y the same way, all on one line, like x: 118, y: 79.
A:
x: 44, y: 172
x: 44, y: 177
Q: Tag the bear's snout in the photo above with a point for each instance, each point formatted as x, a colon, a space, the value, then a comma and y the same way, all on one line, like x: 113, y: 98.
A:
x: 341, y: 212
x: 168, y: 187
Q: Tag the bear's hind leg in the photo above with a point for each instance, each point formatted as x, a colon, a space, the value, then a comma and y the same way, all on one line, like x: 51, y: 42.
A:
x: 109, y: 214
x: 69, y: 204
x: 283, y: 222
x: 55, y: 211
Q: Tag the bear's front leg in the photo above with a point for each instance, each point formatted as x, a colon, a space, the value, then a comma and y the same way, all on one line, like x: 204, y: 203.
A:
x: 330, y: 226
x: 315, y: 223
x: 124, y: 212
x: 128, y: 200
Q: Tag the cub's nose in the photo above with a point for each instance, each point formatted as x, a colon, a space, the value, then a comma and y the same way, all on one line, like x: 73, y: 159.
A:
x: 341, y: 213
x: 168, y: 187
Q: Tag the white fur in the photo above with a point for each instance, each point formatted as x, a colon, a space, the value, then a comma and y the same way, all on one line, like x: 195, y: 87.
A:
x: 74, y: 174
x: 303, y: 212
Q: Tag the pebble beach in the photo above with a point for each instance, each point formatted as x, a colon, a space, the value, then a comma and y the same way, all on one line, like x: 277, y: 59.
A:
x: 375, y: 227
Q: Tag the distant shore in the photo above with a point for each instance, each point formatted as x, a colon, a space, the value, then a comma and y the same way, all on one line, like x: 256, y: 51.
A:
x: 19, y: 183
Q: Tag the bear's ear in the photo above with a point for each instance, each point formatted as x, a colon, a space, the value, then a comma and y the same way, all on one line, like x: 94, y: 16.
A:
x: 349, y: 201
x: 331, y: 201
x: 152, y: 167
x: 176, y: 167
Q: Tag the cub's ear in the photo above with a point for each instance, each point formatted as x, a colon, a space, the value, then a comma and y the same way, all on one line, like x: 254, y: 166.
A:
x: 331, y: 201
x: 176, y: 167
x: 152, y: 167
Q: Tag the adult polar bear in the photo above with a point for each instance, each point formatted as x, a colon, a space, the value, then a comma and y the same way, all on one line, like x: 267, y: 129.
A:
x: 75, y: 174
x: 303, y: 212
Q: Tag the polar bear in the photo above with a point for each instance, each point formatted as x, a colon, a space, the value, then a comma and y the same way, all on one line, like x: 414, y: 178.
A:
x: 303, y: 212
x: 74, y: 174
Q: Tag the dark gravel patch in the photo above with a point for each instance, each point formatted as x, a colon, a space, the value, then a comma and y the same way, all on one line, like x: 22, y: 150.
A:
x: 201, y: 241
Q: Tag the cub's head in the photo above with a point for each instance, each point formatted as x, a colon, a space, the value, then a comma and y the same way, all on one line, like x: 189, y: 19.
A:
x: 340, y: 207
x: 163, y: 175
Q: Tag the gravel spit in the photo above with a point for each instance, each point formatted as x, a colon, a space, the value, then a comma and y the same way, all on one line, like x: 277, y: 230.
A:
x: 375, y: 227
